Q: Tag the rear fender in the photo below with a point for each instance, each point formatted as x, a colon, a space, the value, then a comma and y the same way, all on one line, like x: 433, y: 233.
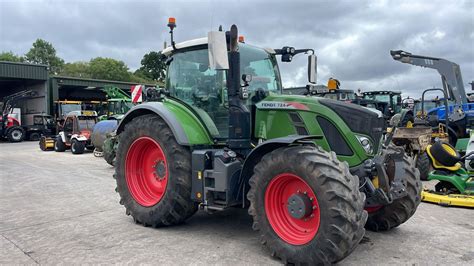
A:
x: 78, y: 137
x: 186, y: 127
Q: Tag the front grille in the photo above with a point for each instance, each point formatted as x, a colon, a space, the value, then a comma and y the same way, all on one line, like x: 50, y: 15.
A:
x: 336, y: 141
x: 359, y: 119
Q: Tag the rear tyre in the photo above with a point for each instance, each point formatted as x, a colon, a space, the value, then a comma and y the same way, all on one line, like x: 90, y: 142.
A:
x: 59, y: 145
x: 400, y: 210
x: 310, y: 212
x: 15, y: 134
x: 423, y: 165
x: 153, y: 173
x: 35, y: 136
x: 77, y: 146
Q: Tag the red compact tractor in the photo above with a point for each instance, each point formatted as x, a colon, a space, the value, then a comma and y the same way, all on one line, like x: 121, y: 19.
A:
x: 10, y: 127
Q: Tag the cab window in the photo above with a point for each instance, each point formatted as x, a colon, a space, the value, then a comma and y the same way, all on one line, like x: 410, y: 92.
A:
x: 85, y: 122
x: 69, y: 124
x: 191, y: 80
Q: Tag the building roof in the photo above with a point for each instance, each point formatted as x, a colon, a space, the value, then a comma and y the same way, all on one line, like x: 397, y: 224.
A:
x: 9, y: 70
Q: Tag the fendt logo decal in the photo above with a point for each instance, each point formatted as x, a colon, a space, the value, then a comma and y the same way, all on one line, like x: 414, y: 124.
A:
x: 281, y: 105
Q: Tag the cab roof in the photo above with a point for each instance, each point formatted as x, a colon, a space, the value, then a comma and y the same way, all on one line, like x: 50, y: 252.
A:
x: 197, y: 42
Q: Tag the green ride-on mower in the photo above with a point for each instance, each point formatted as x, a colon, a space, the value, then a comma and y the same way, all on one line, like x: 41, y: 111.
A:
x: 313, y: 172
x: 455, y: 186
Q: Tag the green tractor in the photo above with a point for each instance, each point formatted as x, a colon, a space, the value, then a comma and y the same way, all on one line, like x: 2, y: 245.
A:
x: 313, y: 172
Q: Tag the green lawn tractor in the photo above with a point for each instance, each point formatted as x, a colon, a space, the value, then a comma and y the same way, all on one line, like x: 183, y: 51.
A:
x: 313, y: 172
x: 455, y: 186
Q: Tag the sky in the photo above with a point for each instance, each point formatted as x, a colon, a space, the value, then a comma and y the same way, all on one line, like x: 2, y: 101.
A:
x: 351, y: 38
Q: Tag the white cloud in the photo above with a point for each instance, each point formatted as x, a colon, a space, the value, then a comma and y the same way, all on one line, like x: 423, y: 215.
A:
x: 352, y: 39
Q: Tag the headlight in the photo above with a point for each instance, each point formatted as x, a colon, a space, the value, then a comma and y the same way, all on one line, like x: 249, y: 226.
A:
x: 366, y: 144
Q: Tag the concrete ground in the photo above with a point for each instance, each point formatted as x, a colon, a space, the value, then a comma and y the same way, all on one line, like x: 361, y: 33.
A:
x: 62, y: 208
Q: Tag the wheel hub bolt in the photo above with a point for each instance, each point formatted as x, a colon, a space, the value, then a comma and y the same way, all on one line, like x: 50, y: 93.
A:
x: 160, y: 170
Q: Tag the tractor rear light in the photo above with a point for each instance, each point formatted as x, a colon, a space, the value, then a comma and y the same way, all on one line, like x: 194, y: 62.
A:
x: 241, y: 39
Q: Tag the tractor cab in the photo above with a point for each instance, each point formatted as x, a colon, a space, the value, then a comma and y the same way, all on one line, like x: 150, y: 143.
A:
x: 204, y: 90
x: 392, y: 99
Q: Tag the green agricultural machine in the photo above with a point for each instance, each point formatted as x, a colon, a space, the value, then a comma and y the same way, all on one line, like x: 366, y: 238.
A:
x: 313, y: 172
x: 103, y: 136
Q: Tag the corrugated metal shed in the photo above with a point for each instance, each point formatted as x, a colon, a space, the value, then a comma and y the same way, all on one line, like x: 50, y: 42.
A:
x: 10, y: 70
x: 72, y: 88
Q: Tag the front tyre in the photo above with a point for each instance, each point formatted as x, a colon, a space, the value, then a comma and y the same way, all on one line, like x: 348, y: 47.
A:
x: 77, y: 146
x: 16, y: 134
x: 153, y: 173
x: 310, y: 212
x: 423, y: 165
x: 400, y: 210
x: 59, y: 145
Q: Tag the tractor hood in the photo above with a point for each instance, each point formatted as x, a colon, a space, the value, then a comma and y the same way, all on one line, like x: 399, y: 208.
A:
x: 356, y: 118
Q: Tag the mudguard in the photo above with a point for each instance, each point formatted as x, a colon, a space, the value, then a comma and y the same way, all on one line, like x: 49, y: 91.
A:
x: 265, y: 147
x: 186, y: 127
x: 78, y: 137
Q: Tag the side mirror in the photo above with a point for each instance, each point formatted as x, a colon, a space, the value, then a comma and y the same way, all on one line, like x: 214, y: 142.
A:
x: 217, y: 47
x: 312, y: 68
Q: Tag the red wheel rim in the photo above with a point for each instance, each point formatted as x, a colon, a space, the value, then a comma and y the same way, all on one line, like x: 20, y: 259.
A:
x: 295, y: 231
x: 146, y: 171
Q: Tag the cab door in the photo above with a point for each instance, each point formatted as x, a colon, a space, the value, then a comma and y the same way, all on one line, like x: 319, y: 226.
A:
x: 68, y: 128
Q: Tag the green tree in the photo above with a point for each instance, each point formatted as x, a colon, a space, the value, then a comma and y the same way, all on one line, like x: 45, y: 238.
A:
x: 44, y: 53
x: 11, y: 57
x: 153, y: 67
x: 76, y: 69
x: 109, y: 69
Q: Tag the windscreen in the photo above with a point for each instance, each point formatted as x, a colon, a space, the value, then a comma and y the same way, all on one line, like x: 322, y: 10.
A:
x: 86, y: 122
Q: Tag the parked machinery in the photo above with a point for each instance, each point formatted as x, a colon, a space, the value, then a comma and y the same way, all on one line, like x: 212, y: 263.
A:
x: 43, y: 125
x: 103, y: 136
x: 10, y: 127
x: 392, y: 99
x: 454, y: 176
x: 75, y: 133
x: 312, y: 171
x: 460, y: 114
